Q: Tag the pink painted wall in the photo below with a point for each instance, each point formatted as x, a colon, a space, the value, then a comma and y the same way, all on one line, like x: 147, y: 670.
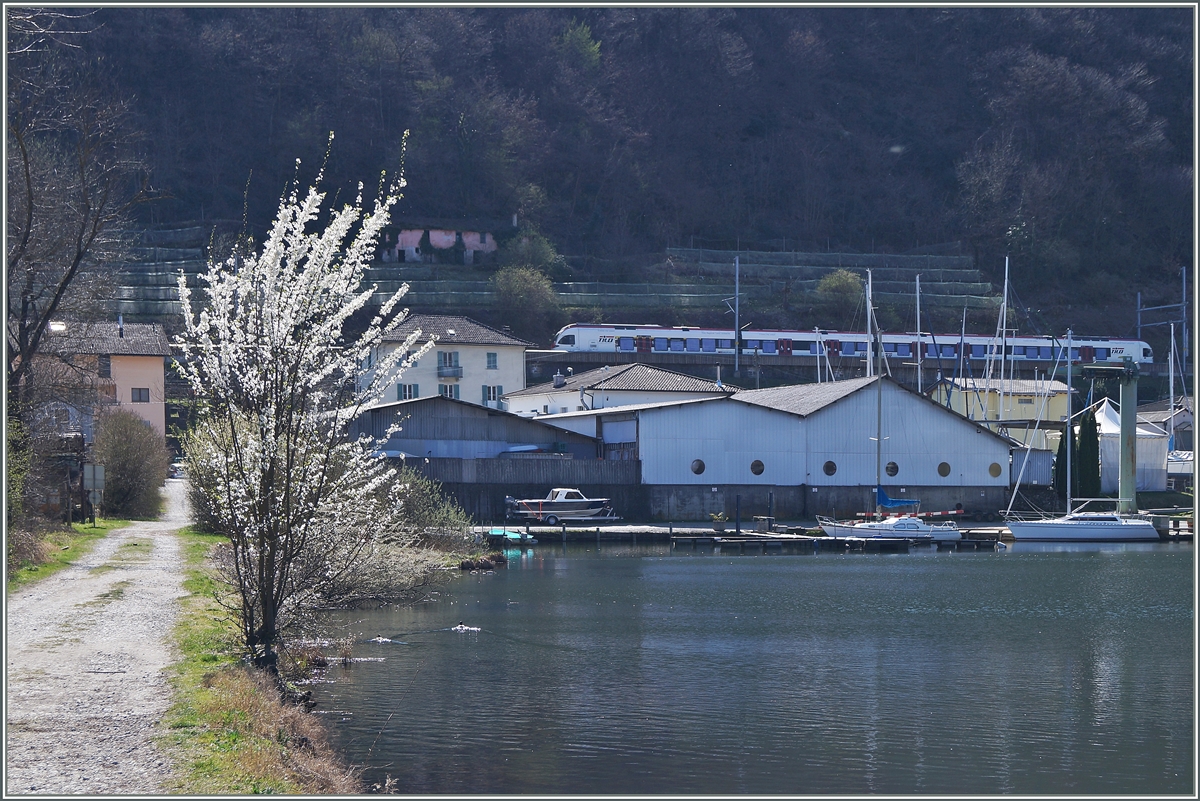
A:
x: 147, y: 372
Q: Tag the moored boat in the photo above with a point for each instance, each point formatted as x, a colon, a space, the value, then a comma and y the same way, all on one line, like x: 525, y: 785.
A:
x: 904, y: 526
x: 1085, y: 527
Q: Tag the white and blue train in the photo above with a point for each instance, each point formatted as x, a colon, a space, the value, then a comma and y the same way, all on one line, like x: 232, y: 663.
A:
x: 598, y: 338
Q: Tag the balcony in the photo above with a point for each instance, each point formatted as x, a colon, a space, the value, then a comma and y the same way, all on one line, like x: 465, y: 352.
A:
x: 449, y: 371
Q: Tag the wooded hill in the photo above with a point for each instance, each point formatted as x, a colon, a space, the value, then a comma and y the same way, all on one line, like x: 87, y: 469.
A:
x: 1062, y: 137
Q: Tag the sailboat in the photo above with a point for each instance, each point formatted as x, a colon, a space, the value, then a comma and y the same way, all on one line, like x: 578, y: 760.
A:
x: 905, y: 526
x: 1077, y: 525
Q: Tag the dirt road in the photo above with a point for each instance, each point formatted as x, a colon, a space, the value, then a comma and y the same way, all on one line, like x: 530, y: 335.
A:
x: 87, y: 651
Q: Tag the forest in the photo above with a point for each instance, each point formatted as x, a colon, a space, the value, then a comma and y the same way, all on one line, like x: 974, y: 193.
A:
x: 1060, y: 137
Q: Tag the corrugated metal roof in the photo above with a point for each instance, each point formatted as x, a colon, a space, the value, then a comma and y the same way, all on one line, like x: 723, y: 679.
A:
x: 633, y: 407
x: 1018, y: 386
x: 803, y: 399
x: 453, y: 330
x: 632, y: 378
x: 104, y: 338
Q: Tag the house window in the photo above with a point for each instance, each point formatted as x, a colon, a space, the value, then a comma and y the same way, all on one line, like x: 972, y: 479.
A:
x: 447, y: 358
x: 492, y: 362
x: 141, y: 394
x: 491, y: 394
x: 448, y: 391
x: 407, y: 391
x: 104, y: 365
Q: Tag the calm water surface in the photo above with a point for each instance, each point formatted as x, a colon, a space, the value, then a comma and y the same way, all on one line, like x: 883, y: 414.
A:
x: 624, y: 669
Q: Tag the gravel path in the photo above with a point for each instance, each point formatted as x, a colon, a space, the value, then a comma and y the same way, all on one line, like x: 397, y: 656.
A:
x: 87, y: 650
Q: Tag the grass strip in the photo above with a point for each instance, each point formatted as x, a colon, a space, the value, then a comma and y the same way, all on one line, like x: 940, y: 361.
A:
x: 227, y: 730
x: 61, y: 549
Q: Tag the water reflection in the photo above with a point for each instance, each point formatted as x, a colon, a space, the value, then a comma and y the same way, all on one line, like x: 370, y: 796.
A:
x: 631, y: 670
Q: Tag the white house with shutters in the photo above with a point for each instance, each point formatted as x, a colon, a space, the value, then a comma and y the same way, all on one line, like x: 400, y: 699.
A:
x: 469, y: 361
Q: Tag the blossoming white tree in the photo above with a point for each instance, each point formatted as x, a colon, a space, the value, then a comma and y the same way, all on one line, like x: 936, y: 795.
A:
x: 272, y: 352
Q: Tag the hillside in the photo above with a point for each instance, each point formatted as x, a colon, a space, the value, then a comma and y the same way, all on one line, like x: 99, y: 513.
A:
x: 1062, y: 137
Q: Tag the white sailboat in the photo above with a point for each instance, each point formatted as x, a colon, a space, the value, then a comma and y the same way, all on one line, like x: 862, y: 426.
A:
x: 1077, y: 525
x: 904, y: 526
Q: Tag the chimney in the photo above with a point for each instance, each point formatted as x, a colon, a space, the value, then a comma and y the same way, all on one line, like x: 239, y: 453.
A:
x: 121, y: 326
x: 559, y: 380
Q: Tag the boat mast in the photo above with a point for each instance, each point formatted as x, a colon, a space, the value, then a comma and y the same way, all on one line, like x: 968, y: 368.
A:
x: 878, y: 401
x: 1171, y: 383
x: 920, y: 346
x: 1069, y: 431
x: 870, y: 341
x: 737, y: 303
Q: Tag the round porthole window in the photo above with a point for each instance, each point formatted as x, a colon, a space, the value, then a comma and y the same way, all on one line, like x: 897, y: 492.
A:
x: 892, y: 468
x: 994, y: 470
x: 697, y: 466
x: 830, y: 468
x: 944, y: 469
x: 756, y: 467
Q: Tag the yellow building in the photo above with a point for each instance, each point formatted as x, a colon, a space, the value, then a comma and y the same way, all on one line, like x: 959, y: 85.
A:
x: 1010, y: 406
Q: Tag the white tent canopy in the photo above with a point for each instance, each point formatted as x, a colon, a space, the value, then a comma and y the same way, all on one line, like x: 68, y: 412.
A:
x: 1151, y: 456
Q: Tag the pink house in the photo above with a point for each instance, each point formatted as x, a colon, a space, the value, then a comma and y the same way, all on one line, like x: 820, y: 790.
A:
x: 441, y: 241
x: 107, y: 365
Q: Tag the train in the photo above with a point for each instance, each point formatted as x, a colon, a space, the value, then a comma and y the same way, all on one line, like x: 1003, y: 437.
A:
x: 601, y: 338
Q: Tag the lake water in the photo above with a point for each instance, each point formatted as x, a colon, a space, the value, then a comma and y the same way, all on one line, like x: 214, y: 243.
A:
x: 623, y: 669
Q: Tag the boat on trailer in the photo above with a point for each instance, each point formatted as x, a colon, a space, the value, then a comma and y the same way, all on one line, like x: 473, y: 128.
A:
x: 560, y: 505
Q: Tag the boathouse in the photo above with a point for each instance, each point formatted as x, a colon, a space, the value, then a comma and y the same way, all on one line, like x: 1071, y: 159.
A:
x: 802, y: 450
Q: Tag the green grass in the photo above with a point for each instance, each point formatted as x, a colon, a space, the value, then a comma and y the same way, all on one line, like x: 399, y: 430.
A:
x: 227, y: 730
x: 63, y: 549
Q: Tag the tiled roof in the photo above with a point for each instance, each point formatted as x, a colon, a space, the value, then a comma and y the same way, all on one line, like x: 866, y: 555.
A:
x: 452, y: 330
x: 1164, y: 405
x: 630, y: 378
x: 1018, y: 386
x: 105, y: 338
x: 803, y: 399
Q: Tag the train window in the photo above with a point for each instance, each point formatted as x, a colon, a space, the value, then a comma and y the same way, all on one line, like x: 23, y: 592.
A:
x: 624, y: 343
x: 708, y: 345
x: 803, y: 346
x: 947, y: 351
x: 1147, y: 353
x: 660, y: 343
x: 676, y: 344
x: 693, y: 346
x: 931, y: 351
x: 889, y: 347
x: 1017, y: 350
x: 752, y: 344
x: 725, y: 344
x: 569, y: 339
x: 978, y: 351
x: 768, y: 346
x: 904, y: 350
x: 1101, y: 354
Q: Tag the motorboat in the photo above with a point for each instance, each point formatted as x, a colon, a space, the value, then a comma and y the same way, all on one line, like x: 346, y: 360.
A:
x: 1085, y: 527
x: 561, y: 504
x: 905, y: 526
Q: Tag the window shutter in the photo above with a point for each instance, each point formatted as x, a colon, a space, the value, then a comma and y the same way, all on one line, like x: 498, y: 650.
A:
x: 499, y: 391
x: 416, y: 390
x: 485, y: 397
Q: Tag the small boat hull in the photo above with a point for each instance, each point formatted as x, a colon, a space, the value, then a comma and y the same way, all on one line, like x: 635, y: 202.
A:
x: 908, y: 527
x: 1084, y: 528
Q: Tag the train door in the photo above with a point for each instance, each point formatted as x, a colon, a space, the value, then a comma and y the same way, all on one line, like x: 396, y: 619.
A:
x: 784, y: 346
x: 643, y: 344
